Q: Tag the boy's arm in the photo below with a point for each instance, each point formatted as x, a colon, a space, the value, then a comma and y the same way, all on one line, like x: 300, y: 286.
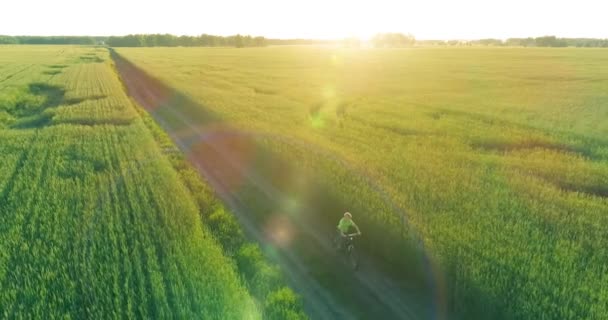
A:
x: 357, y: 227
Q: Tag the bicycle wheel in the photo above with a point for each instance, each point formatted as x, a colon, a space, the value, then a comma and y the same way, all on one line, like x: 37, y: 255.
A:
x: 352, y: 257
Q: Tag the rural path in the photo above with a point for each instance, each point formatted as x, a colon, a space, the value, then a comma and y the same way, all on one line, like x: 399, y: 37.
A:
x: 298, y: 242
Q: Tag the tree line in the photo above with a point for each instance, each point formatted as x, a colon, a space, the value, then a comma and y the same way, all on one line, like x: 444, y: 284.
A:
x: 168, y: 40
x: 83, y: 40
x: 381, y: 40
x: 143, y: 40
x: 552, y: 41
x: 546, y: 41
x: 391, y: 40
x: 204, y: 40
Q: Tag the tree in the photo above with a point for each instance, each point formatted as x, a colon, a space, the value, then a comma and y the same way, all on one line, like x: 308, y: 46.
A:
x: 521, y: 42
x: 238, y: 41
x: 8, y: 40
x: 490, y: 42
x: 550, y: 41
x: 259, y: 41
x: 392, y: 40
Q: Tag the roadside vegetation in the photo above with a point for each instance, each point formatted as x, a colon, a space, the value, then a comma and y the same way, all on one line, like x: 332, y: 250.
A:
x: 263, y: 279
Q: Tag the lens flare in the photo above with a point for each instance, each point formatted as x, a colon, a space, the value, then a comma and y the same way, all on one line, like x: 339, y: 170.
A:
x: 280, y: 231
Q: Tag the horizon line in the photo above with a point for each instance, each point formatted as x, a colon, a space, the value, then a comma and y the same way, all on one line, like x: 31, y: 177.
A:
x: 307, y: 38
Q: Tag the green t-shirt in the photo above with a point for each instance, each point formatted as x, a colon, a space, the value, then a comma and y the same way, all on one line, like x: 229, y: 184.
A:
x: 345, y: 224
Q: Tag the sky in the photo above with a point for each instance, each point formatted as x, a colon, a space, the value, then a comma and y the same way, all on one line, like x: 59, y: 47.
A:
x: 319, y: 19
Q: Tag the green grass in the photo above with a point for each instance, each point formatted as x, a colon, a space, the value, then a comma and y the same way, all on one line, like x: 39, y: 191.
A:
x: 498, y: 156
x: 95, y: 222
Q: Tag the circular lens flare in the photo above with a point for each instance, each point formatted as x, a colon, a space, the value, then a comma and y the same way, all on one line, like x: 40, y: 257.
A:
x: 280, y: 231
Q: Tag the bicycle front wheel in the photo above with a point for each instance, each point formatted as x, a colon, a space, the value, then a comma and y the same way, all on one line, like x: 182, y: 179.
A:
x: 352, y: 258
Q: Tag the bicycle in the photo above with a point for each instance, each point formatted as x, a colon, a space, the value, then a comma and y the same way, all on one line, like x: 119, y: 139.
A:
x: 348, y: 248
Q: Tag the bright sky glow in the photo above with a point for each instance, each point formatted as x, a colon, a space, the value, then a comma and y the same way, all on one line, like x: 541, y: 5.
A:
x: 323, y: 19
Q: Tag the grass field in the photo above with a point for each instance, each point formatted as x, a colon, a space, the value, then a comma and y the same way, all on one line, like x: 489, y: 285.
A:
x: 496, y: 158
x: 98, y: 218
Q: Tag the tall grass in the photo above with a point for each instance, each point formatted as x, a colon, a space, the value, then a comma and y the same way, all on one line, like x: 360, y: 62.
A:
x: 498, y: 156
x: 95, y: 222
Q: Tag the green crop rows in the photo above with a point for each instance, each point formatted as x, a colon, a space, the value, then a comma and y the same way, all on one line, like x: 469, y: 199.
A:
x: 499, y: 157
x: 95, y: 221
